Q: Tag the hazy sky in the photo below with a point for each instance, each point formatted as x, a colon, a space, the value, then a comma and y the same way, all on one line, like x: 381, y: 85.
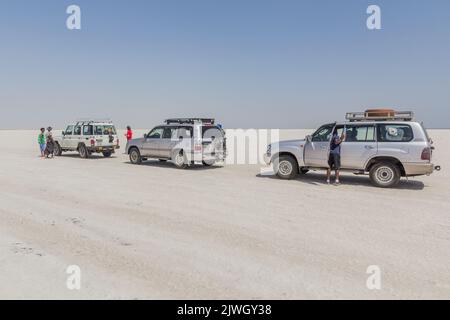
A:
x: 249, y: 63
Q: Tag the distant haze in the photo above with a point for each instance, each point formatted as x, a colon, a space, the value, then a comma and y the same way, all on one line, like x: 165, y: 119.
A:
x: 249, y: 64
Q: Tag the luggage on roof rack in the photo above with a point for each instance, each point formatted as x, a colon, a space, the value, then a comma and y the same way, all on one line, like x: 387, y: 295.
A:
x: 190, y: 120
x: 91, y: 121
x: 380, y: 115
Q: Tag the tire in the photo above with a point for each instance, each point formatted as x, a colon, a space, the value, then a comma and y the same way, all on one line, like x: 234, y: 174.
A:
x: 385, y: 174
x: 179, y: 159
x: 209, y: 163
x: 83, y: 151
x: 285, y: 167
x: 58, y: 151
x: 107, y: 154
x: 135, y: 156
x: 304, y: 170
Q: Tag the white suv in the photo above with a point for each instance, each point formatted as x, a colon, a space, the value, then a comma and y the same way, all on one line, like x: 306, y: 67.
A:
x: 385, y: 144
x: 87, y: 137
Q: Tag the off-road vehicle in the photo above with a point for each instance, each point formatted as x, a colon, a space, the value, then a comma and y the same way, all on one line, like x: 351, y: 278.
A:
x: 184, y: 141
x: 383, y: 143
x: 87, y: 137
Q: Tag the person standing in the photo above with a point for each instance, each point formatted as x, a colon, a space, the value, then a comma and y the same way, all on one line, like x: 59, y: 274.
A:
x: 50, y: 143
x: 129, y: 134
x: 334, y: 160
x: 41, y: 142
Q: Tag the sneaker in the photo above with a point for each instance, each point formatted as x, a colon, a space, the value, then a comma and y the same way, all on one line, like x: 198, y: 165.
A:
x: 337, y: 182
x: 328, y: 181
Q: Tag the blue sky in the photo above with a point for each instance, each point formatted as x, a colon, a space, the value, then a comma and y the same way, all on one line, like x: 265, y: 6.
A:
x: 258, y: 64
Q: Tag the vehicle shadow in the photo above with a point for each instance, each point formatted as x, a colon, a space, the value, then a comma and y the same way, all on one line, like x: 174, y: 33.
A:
x: 170, y: 165
x: 352, y: 180
x: 91, y: 157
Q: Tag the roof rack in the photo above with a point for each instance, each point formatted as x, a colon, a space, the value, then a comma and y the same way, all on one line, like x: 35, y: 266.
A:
x: 190, y: 120
x: 379, y: 116
x: 91, y: 121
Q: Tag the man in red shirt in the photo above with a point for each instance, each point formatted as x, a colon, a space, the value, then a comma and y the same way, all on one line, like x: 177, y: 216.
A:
x: 129, y: 133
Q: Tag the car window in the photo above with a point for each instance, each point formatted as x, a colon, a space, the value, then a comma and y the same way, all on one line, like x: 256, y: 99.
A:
x: 87, y: 130
x: 169, y: 133
x: 77, y: 131
x: 394, y: 133
x: 360, y: 133
x: 69, y: 131
x: 323, y: 133
x: 109, y: 129
x: 155, y: 133
x: 98, y: 130
x: 185, y: 132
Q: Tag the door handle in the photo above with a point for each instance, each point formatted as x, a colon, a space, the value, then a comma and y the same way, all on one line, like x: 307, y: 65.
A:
x: 323, y: 147
x: 369, y: 147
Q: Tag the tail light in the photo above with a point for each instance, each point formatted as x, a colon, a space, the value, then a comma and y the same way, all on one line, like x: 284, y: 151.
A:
x: 198, y: 147
x: 426, y: 154
x: 92, y: 142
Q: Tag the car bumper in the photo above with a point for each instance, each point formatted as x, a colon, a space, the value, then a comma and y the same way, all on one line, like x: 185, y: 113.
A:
x: 418, y: 169
x: 103, y: 149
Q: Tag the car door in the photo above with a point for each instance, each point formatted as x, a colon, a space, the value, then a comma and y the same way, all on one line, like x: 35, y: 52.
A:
x: 317, y: 149
x: 152, y: 141
x: 168, y: 142
x: 76, y: 137
x: 66, y: 139
x: 359, y: 146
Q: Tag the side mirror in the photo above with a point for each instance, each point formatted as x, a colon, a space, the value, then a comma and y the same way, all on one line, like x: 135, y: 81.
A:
x: 63, y: 133
x: 308, y: 138
x: 145, y: 135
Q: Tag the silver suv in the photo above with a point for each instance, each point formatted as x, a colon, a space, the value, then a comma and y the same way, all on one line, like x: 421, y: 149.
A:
x: 88, y: 137
x: 184, y: 141
x: 386, y: 146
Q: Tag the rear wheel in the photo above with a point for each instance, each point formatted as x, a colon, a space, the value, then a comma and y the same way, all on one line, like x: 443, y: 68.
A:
x: 285, y: 167
x: 385, y: 174
x: 179, y: 158
x: 135, y: 156
x: 83, y: 151
x: 58, y: 150
x: 107, y: 154
x: 208, y: 163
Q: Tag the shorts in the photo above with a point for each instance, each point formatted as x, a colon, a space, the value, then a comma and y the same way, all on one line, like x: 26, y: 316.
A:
x: 334, y: 161
x: 42, y: 147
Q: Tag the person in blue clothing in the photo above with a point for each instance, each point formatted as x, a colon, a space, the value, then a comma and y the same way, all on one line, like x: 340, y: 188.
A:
x: 334, y: 159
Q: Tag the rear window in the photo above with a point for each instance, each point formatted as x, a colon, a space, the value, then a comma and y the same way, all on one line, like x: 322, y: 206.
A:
x: 395, y: 133
x: 104, y: 130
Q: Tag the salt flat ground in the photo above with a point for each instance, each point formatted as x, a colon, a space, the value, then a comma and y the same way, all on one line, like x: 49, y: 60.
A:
x: 153, y: 231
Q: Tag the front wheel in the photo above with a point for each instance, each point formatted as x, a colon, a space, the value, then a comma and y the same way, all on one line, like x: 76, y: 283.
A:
x: 135, y: 156
x: 385, y: 175
x: 285, y: 167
